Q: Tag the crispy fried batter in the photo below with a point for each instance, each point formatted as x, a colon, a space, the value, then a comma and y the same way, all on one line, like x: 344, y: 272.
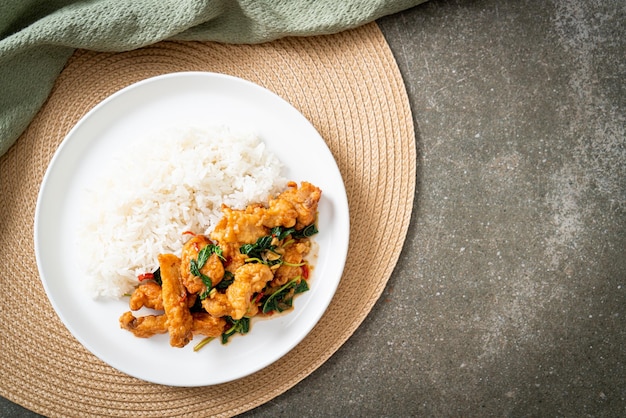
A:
x: 249, y: 279
x: 146, y: 294
x: 294, y: 254
x: 240, y: 226
x: 179, y: 320
x: 217, y: 304
x: 213, y: 268
x: 304, y: 200
x: 280, y: 212
x: 234, y: 257
x: 207, y: 325
x: 144, y: 326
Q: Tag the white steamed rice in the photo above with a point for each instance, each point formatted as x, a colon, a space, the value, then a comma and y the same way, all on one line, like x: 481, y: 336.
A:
x: 162, y: 187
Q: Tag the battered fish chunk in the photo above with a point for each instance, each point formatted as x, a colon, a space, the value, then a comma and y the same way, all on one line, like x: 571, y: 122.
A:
x: 249, y: 279
x: 207, y: 325
x: 144, y: 326
x: 234, y: 257
x: 213, y: 268
x: 304, y: 201
x: 240, y: 226
x: 294, y: 254
x: 218, y: 305
x: 147, y: 294
x: 179, y: 319
x: 280, y: 212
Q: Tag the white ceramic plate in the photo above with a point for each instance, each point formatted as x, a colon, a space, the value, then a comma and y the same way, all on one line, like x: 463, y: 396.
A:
x: 174, y: 100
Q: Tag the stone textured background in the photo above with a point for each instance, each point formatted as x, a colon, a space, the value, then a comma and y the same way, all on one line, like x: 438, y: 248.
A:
x: 509, y: 298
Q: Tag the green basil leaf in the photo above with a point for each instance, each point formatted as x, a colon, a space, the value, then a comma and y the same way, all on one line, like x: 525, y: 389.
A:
x: 205, y: 253
x: 281, y: 233
x: 208, y: 283
x: 226, y: 281
x: 273, y: 302
x: 305, y: 232
x: 203, y: 256
x: 241, y: 326
x: 193, y: 268
x: 255, y: 250
x: 301, y: 287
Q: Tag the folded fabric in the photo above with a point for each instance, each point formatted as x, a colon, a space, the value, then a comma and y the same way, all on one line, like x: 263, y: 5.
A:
x: 37, y: 37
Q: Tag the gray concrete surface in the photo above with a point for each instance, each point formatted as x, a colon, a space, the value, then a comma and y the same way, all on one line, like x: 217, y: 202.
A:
x: 509, y: 298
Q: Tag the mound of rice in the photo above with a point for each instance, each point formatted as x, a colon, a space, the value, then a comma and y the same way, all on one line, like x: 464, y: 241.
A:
x: 162, y: 187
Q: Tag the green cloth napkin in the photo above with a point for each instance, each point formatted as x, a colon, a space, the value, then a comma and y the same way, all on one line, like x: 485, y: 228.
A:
x: 38, y: 36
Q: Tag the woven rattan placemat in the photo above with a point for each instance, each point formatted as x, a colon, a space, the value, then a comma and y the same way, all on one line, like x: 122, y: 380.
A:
x: 347, y: 85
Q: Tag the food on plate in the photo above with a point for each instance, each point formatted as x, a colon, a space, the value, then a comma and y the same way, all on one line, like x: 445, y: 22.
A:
x: 163, y: 184
x: 253, y: 263
x: 148, y: 295
x: 174, y: 296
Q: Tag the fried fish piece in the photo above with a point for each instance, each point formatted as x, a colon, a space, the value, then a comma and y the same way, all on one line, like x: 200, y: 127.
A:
x: 240, y: 226
x: 300, y: 202
x: 207, y: 324
x: 249, y: 279
x: 234, y: 257
x: 144, y: 326
x: 293, y: 255
x: 218, y: 305
x: 213, y: 268
x: 179, y: 319
x: 146, y: 294
x: 280, y: 212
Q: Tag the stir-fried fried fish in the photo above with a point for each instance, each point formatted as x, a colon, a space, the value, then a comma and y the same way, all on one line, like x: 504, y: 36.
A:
x: 179, y: 321
x: 303, y: 200
x: 271, y: 260
x: 147, y: 294
x: 213, y: 268
x: 280, y: 212
x: 249, y: 279
x: 241, y: 226
x: 208, y: 325
x: 144, y: 326
x: 236, y: 302
x: 293, y: 256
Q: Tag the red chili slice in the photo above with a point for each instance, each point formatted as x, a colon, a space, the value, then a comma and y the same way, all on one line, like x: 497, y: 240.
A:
x: 145, y: 276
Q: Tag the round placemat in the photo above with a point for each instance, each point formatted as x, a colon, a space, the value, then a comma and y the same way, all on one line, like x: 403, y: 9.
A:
x: 347, y: 85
